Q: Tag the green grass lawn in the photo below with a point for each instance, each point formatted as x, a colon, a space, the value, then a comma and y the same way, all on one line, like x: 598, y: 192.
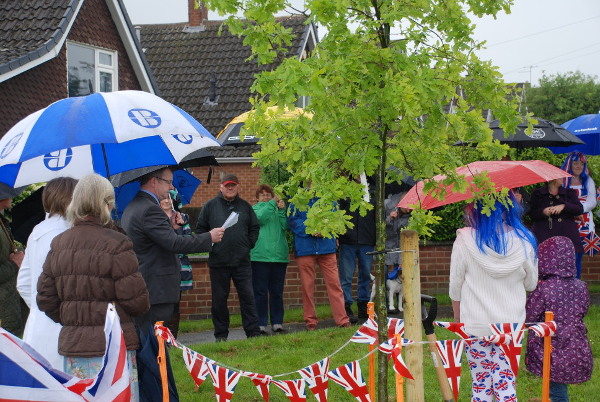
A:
x: 287, y: 353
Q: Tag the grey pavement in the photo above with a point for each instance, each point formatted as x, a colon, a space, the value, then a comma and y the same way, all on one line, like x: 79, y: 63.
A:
x: 192, y: 338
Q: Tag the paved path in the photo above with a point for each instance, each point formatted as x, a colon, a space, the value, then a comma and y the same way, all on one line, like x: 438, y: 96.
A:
x: 192, y: 338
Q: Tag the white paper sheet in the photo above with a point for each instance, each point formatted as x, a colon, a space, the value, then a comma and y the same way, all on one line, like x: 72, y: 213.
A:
x: 231, y: 220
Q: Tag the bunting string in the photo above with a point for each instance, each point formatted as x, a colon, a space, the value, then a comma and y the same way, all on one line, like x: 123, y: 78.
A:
x: 509, y: 336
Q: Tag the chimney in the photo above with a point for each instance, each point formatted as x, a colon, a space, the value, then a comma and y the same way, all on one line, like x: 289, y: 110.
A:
x: 196, y: 16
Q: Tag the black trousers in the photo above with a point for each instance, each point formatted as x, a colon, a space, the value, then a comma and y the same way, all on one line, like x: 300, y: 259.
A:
x: 157, y: 312
x: 220, y: 282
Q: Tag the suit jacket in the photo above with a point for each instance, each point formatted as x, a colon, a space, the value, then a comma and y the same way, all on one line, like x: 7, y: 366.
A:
x: 157, y: 245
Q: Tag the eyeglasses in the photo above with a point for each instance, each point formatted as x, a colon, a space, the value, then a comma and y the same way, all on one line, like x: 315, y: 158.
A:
x: 169, y: 182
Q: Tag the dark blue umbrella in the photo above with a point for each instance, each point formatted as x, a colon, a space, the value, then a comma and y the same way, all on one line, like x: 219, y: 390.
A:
x: 185, y: 183
x: 586, y: 128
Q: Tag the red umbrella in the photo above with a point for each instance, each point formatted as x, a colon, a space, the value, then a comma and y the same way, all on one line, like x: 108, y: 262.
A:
x: 503, y: 174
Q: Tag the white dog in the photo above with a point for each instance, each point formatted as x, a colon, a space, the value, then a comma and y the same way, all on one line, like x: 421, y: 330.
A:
x: 394, y: 287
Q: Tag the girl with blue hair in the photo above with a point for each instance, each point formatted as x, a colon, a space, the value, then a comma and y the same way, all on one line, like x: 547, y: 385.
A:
x: 583, y: 184
x: 493, y: 264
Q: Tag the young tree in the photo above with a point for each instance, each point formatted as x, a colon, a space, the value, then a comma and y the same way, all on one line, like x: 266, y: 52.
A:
x: 380, y: 84
x: 562, y: 97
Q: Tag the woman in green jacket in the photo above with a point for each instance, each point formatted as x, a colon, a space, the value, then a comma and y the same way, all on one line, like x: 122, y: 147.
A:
x: 269, y: 258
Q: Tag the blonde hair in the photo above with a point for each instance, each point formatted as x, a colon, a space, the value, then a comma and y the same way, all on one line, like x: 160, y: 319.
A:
x: 93, y: 196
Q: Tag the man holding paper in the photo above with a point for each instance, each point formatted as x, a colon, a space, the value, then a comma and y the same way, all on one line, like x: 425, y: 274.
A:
x: 230, y: 259
x: 157, y: 245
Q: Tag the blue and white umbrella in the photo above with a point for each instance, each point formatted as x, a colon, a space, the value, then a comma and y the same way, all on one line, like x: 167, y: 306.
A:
x: 105, y: 133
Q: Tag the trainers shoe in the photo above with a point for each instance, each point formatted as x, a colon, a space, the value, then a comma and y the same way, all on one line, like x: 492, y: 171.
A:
x: 263, y: 330
x: 346, y: 325
x: 277, y: 328
x: 311, y: 327
x: 220, y: 339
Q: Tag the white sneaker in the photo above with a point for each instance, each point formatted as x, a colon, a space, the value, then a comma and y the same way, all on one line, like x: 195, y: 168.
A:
x: 277, y: 328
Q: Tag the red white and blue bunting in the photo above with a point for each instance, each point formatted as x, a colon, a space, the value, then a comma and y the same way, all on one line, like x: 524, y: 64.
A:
x: 509, y: 336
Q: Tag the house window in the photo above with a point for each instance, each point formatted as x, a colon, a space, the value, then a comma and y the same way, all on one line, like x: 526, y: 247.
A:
x: 91, y: 70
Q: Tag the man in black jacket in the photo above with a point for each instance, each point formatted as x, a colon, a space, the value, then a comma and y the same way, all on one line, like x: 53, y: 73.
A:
x: 157, y: 245
x: 230, y: 259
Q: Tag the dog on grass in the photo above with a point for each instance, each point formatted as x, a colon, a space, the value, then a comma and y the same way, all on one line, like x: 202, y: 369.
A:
x: 393, y: 286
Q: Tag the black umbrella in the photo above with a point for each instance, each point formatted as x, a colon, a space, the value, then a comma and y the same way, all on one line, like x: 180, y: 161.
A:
x: 544, y: 134
x: 201, y: 157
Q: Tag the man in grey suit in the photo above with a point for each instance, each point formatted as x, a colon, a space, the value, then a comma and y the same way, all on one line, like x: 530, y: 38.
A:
x: 157, y: 245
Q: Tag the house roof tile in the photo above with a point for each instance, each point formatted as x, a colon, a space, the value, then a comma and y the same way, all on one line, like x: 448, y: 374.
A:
x: 186, y: 63
x: 30, y: 29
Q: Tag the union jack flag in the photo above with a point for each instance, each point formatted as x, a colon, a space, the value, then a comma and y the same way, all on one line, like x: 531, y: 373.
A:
x: 112, y: 381
x: 350, y: 377
x: 478, y: 388
x: 476, y: 353
x: 482, y: 376
x: 295, y: 390
x: 165, y: 333
x: 490, y: 365
x: 196, y: 365
x: 224, y: 381
x: 591, y: 243
x: 457, y: 327
x: 391, y: 347
x: 395, y: 326
x: 315, y: 376
x: 508, y: 374
x: 504, y: 339
x: 543, y: 329
x: 512, y: 350
x: 451, y: 352
x: 27, y: 376
x: 367, y: 333
x: 261, y: 381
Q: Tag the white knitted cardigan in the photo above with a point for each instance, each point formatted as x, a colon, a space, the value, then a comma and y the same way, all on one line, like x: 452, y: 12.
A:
x: 491, y: 287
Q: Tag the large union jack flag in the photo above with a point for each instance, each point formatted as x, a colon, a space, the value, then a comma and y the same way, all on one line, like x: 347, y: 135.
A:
x: 350, y: 377
x: 196, y: 364
x: 26, y: 376
x: 295, y: 390
x: 224, y: 381
x: 543, y: 329
x: 513, y: 349
x: 261, y: 381
x: 451, y: 352
x: 315, y: 376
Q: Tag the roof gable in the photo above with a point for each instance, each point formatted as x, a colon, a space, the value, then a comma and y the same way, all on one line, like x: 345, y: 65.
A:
x: 34, y: 31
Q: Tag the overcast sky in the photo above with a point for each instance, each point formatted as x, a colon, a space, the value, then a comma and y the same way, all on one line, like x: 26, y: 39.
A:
x: 551, y: 36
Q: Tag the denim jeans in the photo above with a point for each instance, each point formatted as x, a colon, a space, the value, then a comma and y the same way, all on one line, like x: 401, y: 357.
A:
x: 349, y: 255
x: 268, y: 279
x: 559, y: 392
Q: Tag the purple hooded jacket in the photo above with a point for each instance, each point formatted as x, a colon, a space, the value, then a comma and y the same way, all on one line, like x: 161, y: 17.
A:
x: 568, y: 298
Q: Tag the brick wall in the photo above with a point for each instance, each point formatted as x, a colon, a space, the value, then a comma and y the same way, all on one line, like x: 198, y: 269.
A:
x: 435, y: 267
x: 248, y: 176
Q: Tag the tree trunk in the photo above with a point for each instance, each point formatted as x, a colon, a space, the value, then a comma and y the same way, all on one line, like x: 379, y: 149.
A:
x: 381, y: 274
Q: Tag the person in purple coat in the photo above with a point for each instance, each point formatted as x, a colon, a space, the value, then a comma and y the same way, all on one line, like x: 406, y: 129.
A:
x: 568, y: 298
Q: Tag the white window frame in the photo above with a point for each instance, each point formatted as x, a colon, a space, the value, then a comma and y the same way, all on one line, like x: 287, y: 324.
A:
x: 98, y: 68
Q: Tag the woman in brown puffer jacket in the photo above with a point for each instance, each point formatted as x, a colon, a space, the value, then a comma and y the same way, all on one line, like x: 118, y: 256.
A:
x: 88, y: 266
